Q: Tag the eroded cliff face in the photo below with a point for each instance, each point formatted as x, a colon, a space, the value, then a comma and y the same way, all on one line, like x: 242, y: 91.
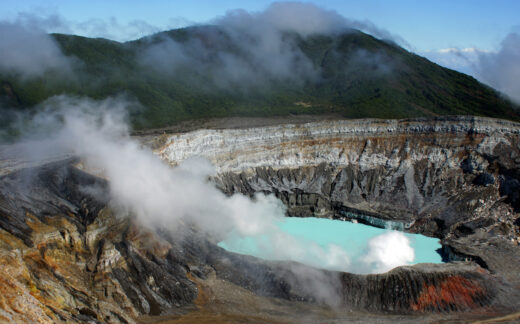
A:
x: 65, y: 255
x: 365, y: 143
x: 454, y: 178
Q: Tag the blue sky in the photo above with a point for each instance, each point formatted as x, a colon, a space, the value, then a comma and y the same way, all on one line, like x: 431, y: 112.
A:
x: 425, y: 25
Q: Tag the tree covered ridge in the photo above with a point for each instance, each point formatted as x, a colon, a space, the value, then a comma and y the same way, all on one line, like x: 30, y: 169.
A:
x: 209, y: 71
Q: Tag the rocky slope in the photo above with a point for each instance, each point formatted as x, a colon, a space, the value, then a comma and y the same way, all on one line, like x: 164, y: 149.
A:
x: 456, y: 178
x: 66, y: 257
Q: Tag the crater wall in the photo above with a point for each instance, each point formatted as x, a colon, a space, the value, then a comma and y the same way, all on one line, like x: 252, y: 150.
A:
x: 456, y: 178
x: 65, y: 256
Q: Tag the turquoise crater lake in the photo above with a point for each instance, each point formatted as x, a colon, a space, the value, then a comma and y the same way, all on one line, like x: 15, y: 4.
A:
x: 337, y: 245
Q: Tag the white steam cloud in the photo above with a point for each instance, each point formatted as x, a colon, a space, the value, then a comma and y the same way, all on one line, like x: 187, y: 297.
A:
x: 381, y: 254
x: 30, y: 52
x: 162, y: 196
x: 387, y: 251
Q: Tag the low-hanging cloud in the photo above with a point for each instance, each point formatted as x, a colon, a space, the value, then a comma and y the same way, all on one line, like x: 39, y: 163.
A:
x: 233, y: 57
x: 110, y: 28
x: 302, y: 18
x: 249, y: 49
x: 29, y: 52
x: 113, y: 29
x: 161, y: 196
x: 462, y: 60
x: 501, y: 69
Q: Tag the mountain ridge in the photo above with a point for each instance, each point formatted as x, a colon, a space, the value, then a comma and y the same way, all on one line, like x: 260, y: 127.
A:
x: 212, y: 72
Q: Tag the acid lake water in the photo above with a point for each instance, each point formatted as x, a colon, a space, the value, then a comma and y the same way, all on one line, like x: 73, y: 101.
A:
x: 352, y: 247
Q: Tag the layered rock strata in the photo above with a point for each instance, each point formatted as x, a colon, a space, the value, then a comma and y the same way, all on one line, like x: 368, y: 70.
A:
x: 66, y: 257
x: 456, y: 178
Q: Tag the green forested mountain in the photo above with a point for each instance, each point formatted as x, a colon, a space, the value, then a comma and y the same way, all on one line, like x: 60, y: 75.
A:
x: 208, y: 71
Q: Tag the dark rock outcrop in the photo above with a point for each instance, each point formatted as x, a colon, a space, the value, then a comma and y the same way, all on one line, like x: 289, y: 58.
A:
x: 65, y: 251
x: 66, y: 255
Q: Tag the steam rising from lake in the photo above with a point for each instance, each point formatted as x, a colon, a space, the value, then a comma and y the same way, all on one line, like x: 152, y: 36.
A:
x: 162, y: 196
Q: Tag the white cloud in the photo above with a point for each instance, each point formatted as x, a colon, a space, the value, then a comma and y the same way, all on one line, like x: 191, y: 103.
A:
x: 255, y: 49
x: 455, y: 50
x: 110, y: 28
x: 302, y: 18
x: 500, y: 69
x: 462, y: 60
x: 29, y: 52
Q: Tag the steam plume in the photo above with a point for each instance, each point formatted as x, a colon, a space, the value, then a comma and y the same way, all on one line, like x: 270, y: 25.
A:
x: 161, y: 196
